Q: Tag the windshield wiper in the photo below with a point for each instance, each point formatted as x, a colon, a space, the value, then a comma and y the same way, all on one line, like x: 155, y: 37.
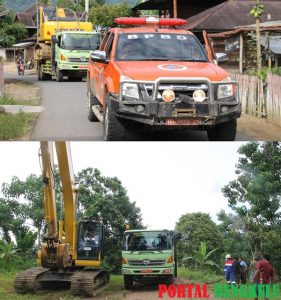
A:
x: 195, y: 60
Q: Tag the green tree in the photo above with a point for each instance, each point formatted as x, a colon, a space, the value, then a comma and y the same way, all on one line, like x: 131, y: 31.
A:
x: 255, y: 194
x: 66, y: 4
x: 105, y: 199
x: 104, y: 15
x: 202, y: 258
x: 12, y: 217
x: 235, y: 237
x: 197, y: 227
x: 32, y: 207
x: 10, y: 31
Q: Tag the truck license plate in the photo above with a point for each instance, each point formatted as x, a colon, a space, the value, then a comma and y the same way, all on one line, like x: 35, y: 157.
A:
x: 146, y: 271
x: 83, y: 67
x: 179, y: 122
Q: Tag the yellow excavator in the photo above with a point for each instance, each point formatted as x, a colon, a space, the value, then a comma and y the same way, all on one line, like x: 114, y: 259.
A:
x: 72, y: 252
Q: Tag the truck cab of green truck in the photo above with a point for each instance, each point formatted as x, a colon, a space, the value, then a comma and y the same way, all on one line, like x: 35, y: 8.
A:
x: 149, y: 255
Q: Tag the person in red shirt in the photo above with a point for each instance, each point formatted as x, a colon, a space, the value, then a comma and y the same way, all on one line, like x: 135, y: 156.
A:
x: 264, y: 272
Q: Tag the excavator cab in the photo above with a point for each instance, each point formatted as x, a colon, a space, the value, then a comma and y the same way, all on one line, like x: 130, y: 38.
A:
x: 90, y: 240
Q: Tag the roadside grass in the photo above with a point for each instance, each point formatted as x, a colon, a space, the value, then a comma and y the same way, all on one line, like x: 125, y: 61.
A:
x: 18, y: 82
x: 15, y: 126
x: 9, y: 101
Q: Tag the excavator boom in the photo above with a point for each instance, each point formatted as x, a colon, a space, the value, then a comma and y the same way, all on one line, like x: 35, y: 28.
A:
x: 77, y: 244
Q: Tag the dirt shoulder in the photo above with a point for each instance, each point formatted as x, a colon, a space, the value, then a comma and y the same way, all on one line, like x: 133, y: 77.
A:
x: 259, y: 129
x: 19, y: 95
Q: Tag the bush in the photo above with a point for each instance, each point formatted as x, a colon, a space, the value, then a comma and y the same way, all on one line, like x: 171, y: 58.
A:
x: 262, y: 74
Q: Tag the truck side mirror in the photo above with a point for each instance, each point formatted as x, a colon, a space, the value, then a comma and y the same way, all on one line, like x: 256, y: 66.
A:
x: 55, y: 40
x: 99, y: 56
x: 177, y: 236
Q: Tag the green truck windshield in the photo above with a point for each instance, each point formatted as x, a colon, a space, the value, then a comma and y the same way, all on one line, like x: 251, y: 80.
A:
x: 80, y: 41
x: 145, y: 241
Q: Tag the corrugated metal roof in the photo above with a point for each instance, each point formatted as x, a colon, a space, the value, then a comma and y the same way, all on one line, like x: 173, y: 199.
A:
x: 23, y: 45
x: 232, y: 13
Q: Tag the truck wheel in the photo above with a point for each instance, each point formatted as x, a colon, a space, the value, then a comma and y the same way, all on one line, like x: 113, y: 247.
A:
x: 223, y: 132
x: 59, y: 75
x: 41, y: 74
x: 128, y: 282
x: 170, y: 280
x: 113, y: 130
x: 92, y: 100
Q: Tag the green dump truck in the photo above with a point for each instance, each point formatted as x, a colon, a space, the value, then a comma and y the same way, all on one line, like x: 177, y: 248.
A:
x: 64, y: 43
x: 149, y: 255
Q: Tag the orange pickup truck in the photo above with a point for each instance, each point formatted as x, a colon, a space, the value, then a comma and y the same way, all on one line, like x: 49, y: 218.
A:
x: 148, y: 73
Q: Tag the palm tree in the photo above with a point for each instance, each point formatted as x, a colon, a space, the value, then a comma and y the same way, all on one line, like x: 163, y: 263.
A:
x: 201, y: 257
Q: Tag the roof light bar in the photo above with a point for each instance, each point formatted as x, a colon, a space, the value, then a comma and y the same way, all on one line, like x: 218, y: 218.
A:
x: 150, y: 21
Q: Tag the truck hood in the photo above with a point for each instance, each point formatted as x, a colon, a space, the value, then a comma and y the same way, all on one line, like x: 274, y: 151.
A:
x: 144, y: 70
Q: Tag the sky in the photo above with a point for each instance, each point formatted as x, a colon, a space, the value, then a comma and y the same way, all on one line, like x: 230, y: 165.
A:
x: 166, y: 180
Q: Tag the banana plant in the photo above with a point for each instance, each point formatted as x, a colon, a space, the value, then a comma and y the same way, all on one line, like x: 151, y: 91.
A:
x: 7, y: 252
x: 201, y: 257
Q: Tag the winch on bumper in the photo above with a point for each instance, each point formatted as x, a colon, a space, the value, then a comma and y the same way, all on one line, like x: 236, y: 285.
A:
x: 195, y: 102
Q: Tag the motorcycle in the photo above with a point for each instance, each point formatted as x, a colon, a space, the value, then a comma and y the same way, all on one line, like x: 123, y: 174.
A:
x: 21, y: 68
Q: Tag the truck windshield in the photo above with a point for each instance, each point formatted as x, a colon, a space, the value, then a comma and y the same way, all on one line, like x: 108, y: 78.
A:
x: 157, y: 46
x: 79, y: 41
x: 143, y: 241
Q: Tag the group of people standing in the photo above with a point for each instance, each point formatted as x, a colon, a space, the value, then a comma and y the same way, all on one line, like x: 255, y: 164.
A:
x: 235, y: 270
x: 260, y: 271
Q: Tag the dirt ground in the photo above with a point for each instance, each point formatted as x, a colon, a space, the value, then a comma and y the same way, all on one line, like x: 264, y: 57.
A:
x: 259, y: 129
x: 144, y: 292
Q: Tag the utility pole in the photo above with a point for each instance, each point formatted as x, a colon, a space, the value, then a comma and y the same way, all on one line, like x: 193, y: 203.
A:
x: 175, y: 5
x: 87, y: 9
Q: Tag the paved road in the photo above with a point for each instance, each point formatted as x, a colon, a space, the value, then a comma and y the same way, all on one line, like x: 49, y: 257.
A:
x: 65, y: 116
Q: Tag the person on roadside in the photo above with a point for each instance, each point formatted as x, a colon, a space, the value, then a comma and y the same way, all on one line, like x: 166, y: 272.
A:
x: 252, y: 267
x: 229, y: 269
x: 237, y: 270
x: 244, y: 269
x: 264, y: 275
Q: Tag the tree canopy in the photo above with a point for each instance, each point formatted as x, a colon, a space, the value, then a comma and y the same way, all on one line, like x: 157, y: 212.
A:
x: 104, y: 15
x: 10, y: 31
x: 196, y: 228
x: 255, y: 195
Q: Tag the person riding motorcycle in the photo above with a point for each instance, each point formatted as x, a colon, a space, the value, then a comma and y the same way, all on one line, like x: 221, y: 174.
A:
x: 20, y: 66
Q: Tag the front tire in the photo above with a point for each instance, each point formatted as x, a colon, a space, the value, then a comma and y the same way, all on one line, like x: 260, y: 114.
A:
x: 92, y: 100
x: 128, y: 282
x: 59, y: 75
x: 113, y: 129
x: 223, y: 132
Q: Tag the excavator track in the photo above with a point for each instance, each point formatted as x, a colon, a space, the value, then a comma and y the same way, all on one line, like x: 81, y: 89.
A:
x: 89, y: 282
x: 27, y: 281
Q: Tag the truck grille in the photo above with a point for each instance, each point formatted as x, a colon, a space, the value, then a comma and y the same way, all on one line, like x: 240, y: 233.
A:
x: 146, y: 262
x: 78, y: 59
x: 183, y: 90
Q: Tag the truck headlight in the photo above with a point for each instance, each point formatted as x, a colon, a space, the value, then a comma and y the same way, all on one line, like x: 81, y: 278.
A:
x: 225, y: 90
x: 130, y: 90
